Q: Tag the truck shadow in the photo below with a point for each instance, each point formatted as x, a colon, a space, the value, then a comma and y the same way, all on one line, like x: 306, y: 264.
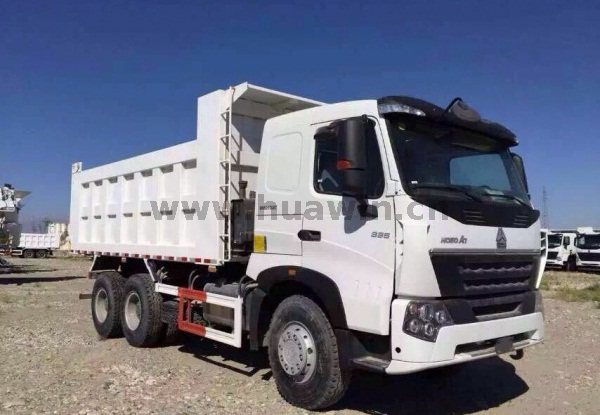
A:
x: 479, y: 386
x: 6, y: 279
x: 242, y: 361
x: 474, y: 387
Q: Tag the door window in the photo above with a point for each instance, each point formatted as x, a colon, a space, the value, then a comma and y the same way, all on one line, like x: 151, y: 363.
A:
x: 329, y: 180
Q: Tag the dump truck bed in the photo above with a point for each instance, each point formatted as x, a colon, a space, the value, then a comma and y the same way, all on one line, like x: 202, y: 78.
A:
x: 172, y: 204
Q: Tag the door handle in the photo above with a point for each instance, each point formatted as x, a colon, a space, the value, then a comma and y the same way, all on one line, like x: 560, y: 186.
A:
x: 310, y: 236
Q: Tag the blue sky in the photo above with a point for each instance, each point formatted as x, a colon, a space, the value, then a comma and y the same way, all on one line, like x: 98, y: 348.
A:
x: 99, y: 80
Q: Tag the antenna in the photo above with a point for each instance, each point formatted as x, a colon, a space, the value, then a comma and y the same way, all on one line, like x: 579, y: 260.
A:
x: 545, y: 216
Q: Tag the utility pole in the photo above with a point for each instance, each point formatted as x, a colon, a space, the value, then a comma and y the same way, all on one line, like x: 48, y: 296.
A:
x: 545, y: 216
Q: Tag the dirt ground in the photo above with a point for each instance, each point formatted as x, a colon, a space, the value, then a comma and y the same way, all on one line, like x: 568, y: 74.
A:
x: 53, y: 363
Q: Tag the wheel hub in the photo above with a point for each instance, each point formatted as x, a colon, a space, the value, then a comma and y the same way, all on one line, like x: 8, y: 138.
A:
x: 296, y: 351
x: 133, y: 311
x: 101, y: 305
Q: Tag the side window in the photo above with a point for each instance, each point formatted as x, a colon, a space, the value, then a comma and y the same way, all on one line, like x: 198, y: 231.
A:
x: 567, y: 240
x: 329, y: 180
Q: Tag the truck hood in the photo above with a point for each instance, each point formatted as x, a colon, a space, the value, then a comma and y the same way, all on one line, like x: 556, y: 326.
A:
x: 425, y: 235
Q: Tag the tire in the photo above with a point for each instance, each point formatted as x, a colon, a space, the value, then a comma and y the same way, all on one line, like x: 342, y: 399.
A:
x: 571, y: 264
x: 40, y: 254
x: 171, y: 334
x: 316, y: 385
x: 28, y: 253
x: 107, y: 300
x: 141, y: 312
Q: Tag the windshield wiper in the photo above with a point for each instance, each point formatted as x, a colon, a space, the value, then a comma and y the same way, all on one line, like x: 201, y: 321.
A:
x: 447, y: 187
x: 511, y: 197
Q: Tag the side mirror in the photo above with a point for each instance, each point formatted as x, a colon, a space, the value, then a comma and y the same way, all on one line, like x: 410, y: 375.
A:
x: 518, y: 160
x: 352, y: 156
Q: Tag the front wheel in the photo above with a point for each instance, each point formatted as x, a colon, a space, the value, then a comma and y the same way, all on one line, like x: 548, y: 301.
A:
x: 304, y: 356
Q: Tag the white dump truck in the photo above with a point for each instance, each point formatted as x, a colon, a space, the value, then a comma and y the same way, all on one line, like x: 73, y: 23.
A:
x: 35, y: 245
x: 587, y: 248
x: 561, y: 249
x: 389, y: 235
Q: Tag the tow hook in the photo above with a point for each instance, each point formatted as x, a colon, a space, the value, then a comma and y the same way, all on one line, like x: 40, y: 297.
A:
x: 517, y: 355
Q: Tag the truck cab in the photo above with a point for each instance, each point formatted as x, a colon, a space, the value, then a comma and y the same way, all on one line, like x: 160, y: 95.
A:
x: 587, y: 248
x: 413, y: 219
x: 561, y: 249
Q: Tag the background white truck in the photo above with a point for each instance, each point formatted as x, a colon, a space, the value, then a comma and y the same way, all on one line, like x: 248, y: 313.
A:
x: 390, y: 235
x: 12, y: 240
x: 561, y: 249
x: 35, y: 245
x: 587, y: 248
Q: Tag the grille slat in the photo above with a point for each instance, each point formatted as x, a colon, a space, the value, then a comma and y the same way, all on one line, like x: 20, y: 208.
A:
x: 521, y: 221
x: 552, y: 255
x: 474, y: 217
x: 589, y: 256
x: 495, y: 278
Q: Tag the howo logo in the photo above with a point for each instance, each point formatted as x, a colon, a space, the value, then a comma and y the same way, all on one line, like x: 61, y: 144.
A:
x: 501, y: 239
x: 454, y: 240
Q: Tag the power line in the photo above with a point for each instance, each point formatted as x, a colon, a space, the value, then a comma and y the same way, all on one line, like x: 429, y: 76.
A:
x: 545, y: 215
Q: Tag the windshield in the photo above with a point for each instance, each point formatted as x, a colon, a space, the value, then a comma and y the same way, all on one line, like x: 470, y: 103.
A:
x: 554, y: 240
x: 588, y: 241
x: 433, y: 156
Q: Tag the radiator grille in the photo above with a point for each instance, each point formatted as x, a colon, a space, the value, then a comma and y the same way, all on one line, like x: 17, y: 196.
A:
x: 494, y: 278
x: 589, y: 256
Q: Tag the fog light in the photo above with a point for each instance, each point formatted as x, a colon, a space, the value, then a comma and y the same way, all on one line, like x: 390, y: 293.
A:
x: 424, y: 320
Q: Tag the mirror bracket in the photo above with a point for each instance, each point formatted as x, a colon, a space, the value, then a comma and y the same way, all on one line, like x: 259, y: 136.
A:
x: 367, y: 211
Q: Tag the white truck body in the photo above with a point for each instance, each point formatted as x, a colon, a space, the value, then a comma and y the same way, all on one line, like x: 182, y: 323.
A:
x: 417, y: 257
x: 561, y: 247
x: 39, y: 241
x: 118, y: 208
x: 34, y: 245
x: 587, y: 248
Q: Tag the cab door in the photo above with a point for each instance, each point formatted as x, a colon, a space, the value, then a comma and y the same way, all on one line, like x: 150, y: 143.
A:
x: 355, y: 251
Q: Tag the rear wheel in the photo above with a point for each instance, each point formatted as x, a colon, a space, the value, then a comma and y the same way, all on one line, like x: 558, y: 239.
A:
x: 40, y: 254
x: 303, y: 355
x: 107, y: 297
x: 141, y: 312
x: 28, y: 253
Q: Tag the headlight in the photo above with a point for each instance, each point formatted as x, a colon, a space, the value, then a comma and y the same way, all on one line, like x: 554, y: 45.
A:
x: 424, y: 320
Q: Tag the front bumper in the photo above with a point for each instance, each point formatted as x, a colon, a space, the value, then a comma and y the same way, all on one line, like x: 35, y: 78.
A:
x: 458, y: 343
x: 554, y: 263
x: 589, y: 264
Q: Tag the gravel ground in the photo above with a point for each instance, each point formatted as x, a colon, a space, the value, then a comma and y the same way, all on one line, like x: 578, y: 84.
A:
x: 53, y: 363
